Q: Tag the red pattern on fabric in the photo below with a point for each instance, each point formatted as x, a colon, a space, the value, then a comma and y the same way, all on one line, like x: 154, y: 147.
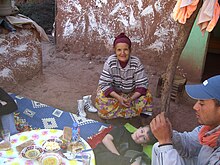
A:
x: 94, y: 140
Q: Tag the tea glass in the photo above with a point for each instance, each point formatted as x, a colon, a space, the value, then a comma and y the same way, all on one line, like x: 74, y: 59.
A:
x: 5, y: 144
x: 85, y: 158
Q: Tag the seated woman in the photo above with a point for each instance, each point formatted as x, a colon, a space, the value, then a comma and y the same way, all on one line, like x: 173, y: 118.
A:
x: 123, y: 85
x: 7, y: 107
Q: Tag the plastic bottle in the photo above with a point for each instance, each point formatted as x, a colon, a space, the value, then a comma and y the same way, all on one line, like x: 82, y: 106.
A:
x: 75, y: 132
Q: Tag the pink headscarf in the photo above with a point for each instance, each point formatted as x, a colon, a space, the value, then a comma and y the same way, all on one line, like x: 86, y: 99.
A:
x: 122, y: 38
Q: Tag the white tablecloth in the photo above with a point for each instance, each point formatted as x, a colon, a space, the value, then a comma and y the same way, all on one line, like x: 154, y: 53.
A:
x: 39, y: 136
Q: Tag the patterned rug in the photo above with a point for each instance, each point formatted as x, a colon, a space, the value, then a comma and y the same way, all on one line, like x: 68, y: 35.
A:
x: 34, y: 115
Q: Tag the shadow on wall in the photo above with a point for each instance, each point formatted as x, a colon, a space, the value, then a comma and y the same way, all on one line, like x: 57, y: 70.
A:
x: 42, y: 13
x: 212, y: 65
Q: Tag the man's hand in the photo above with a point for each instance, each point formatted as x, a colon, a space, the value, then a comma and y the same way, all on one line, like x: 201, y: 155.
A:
x: 162, y: 129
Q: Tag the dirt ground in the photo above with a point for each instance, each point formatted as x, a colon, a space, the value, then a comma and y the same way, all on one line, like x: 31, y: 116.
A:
x: 67, y: 77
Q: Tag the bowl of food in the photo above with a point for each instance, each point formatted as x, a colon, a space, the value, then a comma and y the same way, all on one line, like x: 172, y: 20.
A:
x: 52, y: 145
x: 51, y: 159
x: 32, y: 152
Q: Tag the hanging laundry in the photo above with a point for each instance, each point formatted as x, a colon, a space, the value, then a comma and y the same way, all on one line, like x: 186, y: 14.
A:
x: 20, y: 19
x: 208, y: 15
x: 184, y: 9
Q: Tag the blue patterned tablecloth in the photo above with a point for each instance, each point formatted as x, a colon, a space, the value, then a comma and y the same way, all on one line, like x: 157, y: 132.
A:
x: 39, y: 115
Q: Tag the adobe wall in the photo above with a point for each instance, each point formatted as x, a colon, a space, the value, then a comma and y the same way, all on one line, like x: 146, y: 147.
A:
x: 20, y: 55
x: 90, y: 27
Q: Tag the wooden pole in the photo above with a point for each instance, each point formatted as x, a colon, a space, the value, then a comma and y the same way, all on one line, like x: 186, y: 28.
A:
x: 183, y: 35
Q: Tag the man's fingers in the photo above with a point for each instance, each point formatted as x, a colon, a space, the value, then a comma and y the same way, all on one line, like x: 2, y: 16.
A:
x: 158, y: 121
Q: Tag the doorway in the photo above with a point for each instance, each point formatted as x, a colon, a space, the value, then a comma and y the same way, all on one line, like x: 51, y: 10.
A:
x: 212, y: 62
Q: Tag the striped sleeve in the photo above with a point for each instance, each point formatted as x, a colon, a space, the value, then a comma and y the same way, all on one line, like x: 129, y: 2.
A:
x: 140, y: 76
x: 106, y: 79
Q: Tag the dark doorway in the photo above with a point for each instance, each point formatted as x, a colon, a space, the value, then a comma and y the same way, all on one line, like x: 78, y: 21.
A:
x: 40, y: 11
x: 212, y: 63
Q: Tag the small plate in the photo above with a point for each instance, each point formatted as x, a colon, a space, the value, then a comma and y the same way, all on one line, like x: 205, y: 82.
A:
x: 32, y: 152
x: 76, y: 146
x: 52, y: 145
x: 51, y: 158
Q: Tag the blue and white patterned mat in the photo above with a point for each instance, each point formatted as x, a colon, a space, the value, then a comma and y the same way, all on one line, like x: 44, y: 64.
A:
x: 40, y: 115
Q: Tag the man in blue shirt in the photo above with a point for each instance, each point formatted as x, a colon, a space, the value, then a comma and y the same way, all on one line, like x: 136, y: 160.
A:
x: 200, y: 146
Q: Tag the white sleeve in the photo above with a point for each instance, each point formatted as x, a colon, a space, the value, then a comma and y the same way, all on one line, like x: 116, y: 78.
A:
x: 166, y: 155
x: 187, y: 143
x: 185, y: 148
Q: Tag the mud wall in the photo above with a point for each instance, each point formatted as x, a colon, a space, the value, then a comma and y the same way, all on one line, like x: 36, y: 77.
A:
x: 20, y: 55
x: 91, y: 25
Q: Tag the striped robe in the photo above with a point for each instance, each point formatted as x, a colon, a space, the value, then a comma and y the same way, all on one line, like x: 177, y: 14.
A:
x: 123, y: 80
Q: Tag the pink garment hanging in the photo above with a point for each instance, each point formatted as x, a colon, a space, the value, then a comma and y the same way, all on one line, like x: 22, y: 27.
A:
x: 208, y: 15
x: 215, y: 18
x: 184, y: 9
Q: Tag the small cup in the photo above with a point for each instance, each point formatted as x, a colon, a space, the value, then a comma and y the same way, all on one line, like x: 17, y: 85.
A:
x: 5, y: 144
x: 6, y: 135
x: 86, y: 158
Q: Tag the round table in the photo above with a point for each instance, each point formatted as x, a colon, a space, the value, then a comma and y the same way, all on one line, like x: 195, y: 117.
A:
x: 39, y: 136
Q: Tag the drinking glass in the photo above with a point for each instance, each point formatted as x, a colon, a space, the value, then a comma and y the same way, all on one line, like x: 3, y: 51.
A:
x: 85, y: 158
x: 5, y: 144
